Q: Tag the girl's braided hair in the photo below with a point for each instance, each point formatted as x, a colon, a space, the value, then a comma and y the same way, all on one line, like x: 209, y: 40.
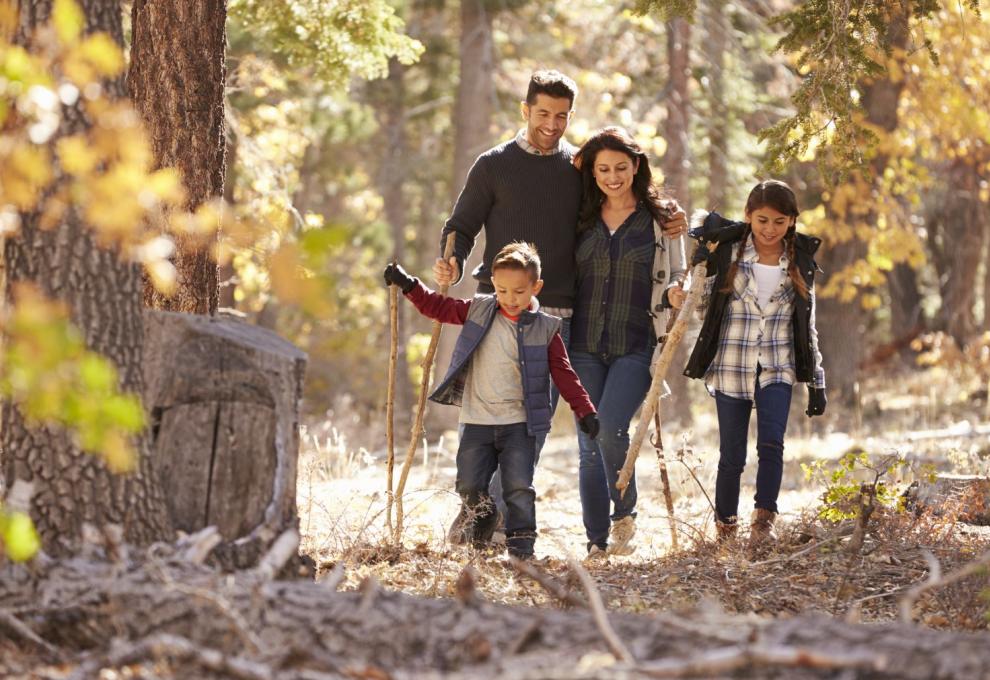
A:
x: 774, y: 194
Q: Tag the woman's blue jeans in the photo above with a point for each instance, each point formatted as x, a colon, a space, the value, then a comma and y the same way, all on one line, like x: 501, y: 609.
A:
x: 773, y: 403
x: 617, y: 387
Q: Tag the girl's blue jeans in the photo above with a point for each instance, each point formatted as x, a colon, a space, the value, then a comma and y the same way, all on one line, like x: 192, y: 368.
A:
x: 773, y: 403
x: 617, y: 386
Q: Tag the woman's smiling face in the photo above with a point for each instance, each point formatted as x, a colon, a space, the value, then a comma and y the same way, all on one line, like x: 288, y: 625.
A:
x: 769, y: 225
x: 614, y: 172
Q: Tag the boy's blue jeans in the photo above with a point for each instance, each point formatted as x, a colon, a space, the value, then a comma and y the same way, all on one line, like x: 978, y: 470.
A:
x: 496, y: 488
x: 484, y: 449
x: 773, y: 403
x: 617, y: 387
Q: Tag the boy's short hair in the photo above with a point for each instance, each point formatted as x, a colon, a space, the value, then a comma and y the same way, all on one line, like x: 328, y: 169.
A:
x: 551, y: 83
x: 520, y: 256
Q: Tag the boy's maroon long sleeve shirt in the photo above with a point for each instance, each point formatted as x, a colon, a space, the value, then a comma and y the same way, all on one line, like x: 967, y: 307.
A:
x: 455, y: 311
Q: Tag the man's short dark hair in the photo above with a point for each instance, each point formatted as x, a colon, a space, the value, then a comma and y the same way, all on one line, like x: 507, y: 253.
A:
x: 520, y: 256
x: 553, y: 84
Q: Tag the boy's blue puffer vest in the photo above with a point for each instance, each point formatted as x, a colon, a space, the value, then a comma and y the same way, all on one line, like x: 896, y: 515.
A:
x: 534, y: 331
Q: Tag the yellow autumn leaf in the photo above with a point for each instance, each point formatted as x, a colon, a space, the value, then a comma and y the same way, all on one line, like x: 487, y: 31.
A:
x: 20, y: 539
x: 68, y: 20
x: 76, y: 154
x: 102, y: 54
x: 118, y: 453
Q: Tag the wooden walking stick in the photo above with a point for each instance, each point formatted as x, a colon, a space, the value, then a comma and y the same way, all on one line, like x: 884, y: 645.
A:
x: 659, y: 372
x: 393, y: 358
x: 424, y: 385
x: 664, y: 477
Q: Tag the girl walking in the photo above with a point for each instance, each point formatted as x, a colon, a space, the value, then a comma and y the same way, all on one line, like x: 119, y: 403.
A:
x: 758, y: 338
x: 612, y: 336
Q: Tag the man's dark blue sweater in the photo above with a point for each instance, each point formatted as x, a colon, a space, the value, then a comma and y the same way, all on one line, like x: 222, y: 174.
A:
x: 519, y: 196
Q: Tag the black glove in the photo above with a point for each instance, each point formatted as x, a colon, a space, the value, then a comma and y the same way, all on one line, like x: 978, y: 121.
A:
x: 589, y: 425
x: 396, y: 275
x: 701, y: 254
x: 816, y: 401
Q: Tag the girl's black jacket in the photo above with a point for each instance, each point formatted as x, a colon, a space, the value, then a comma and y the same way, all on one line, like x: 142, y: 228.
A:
x: 717, y: 237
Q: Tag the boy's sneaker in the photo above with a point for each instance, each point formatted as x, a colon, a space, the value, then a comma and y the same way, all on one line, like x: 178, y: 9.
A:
x: 596, y: 556
x: 620, y: 536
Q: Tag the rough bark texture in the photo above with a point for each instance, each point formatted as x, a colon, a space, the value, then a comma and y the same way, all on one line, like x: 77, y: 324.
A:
x: 676, y: 170
x: 176, y: 81
x: 964, y: 496
x: 260, y: 628
x: 473, y: 108
x: 842, y: 326
x: 391, y: 111
x: 716, y: 24
x: 104, y: 297
x: 224, y: 398
x: 957, y: 221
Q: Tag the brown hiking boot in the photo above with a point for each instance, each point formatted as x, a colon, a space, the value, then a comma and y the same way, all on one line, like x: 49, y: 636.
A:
x: 761, y: 533
x: 725, y: 532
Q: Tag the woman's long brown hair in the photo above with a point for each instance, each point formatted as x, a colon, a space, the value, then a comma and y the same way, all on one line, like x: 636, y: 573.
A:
x: 643, y: 187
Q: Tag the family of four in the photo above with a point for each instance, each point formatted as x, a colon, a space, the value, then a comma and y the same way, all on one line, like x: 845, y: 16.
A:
x: 566, y: 307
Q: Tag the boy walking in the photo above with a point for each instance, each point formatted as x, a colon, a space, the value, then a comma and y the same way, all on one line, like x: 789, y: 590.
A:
x: 504, y: 360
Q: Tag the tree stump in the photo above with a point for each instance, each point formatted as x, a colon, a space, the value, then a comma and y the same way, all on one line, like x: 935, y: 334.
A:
x: 223, y: 396
x: 966, y: 496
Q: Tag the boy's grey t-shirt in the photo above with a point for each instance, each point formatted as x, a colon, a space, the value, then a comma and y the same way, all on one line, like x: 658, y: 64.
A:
x: 493, y: 392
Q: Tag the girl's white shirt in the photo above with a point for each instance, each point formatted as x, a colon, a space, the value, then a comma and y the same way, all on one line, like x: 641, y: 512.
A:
x: 768, y: 278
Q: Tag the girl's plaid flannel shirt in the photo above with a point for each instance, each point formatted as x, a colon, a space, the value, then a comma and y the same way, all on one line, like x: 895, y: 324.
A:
x: 751, y: 336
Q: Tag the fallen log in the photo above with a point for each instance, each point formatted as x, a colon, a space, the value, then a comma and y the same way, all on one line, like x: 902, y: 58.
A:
x: 965, y: 497
x: 167, y: 609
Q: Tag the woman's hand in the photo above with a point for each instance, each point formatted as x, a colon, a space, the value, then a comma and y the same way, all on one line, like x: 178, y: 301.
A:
x: 676, y: 296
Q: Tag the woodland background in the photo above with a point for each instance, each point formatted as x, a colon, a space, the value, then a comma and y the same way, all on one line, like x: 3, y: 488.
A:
x: 270, y: 156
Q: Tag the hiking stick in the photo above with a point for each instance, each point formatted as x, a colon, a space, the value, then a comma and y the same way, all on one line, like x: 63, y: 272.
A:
x: 659, y: 372
x: 424, y: 385
x: 664, y: 478
x: 393, y: 358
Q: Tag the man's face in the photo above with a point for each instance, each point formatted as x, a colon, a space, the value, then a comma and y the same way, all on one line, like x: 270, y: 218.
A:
x: 546, y: 119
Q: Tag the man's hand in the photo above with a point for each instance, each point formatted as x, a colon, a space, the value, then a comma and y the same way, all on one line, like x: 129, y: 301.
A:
x: 676, y: 296
x: 677, y: 224
x: 590, y: 425
x: 395, y: 275
x: 446, y: 273
x: 816, y: 401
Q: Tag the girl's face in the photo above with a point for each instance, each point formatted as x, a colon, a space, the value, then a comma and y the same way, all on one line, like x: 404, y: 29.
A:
x: 769, y: 226
x: 614, y: 172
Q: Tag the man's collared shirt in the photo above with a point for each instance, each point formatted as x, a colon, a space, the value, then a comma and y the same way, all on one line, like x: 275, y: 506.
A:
x: 752, y: 335
x: 522, y: 141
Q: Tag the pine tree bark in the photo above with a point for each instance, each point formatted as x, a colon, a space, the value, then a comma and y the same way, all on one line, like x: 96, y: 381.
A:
x: 103, y: 293
x: 473, y: 107
x: 676, y: 169
x: 176, y: 81
x: 716, y: 25
x: 842, y: 326
x: 390, y: 105
x: 958, y: 220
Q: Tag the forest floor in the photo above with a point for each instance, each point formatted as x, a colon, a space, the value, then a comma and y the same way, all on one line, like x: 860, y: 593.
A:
x: 342, y: 496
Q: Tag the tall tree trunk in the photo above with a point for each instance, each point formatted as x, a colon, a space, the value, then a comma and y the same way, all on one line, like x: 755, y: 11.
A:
x: 842, y: 326
x: 103, y: 293
x: 676, y: 169
x: 713, y: 52
x: 226, y: 274
x: 907, y: 316
x: 391, y: 177
x: 472, y: 134
x: 176, y: 81
x: 960, y: 218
